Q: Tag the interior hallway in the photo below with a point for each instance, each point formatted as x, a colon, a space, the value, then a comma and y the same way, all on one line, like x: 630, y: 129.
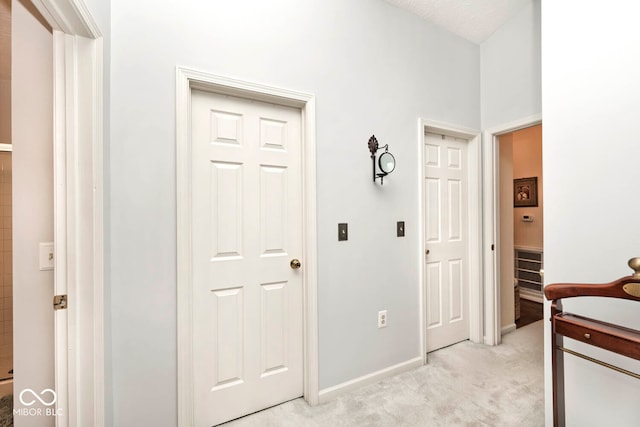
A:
x: 463, y: 385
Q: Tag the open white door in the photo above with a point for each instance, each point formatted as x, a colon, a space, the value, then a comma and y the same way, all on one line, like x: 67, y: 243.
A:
x: 32, y: 182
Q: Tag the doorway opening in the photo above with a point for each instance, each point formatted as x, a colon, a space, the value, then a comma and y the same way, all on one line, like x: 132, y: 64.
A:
x: 521, y: 200
x: 57, y: 54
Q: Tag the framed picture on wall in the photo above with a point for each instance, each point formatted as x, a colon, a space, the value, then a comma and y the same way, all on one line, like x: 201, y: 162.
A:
x: 525, y: 192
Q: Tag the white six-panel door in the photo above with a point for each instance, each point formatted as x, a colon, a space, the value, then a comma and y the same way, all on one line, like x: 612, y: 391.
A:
x: 247, y: 227
x: 446, y: 240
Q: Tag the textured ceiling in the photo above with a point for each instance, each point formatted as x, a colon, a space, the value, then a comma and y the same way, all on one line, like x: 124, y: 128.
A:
x: 475, y: 20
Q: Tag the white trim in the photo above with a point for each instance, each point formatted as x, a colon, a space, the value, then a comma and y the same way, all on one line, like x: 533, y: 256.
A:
x: 475, y: 229
x: 531, y: 295
x: 183, y: 260
x: 79, y: 229
x: 523, y: 123
x: 98, y: 238
x: 491, y: 228
x: 78, y: 207
x: 6, y: 147
x: 68, y: 16
x: 186, y: 80
x: 331, y: 393
x: 311, y: 353
x: 508, y: 329
x: 60, y: 225
x: 421, y: 250
x: 528, y: 248
x: 448, y: 129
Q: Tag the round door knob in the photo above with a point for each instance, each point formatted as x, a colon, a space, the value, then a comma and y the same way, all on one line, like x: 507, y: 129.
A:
x: 295, y: 264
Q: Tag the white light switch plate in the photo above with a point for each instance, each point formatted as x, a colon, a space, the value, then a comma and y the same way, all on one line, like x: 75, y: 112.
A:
x: 46, y: 256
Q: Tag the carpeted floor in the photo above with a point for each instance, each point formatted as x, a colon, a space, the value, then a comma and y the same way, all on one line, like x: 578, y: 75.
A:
x: 463, y: 385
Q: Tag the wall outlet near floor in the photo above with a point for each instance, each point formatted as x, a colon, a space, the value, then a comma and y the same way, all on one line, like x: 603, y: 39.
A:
x: 382, y: 319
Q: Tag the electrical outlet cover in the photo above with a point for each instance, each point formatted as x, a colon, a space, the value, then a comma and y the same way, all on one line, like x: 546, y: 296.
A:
x: 382, y: 319
x: 343, y: 231
x: 46, y: 256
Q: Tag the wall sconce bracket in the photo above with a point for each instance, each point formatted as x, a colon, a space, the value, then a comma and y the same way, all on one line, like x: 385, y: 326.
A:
x: 386, y: 161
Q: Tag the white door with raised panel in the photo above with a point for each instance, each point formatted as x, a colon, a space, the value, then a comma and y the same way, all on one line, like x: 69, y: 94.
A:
x: 246, y: 235
x: 446, y: 240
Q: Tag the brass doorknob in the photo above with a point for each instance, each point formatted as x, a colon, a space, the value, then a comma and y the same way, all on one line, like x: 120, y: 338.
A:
x: 295, y: 264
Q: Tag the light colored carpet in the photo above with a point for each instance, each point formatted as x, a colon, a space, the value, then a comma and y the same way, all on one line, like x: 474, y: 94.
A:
x: 462, y: 385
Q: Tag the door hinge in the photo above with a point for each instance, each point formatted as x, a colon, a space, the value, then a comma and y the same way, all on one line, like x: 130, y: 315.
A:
x: 60, y: 302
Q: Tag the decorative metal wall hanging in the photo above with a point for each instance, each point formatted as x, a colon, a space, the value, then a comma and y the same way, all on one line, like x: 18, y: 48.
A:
x: 386, y: 161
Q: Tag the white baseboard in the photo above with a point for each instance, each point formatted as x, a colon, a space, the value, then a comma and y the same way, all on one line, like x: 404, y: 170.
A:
x: 331, y: 393
x: 531, y: 295
x: 506, y: 329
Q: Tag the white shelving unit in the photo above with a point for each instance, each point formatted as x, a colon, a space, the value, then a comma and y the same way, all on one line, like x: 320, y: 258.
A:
x: 528, y: 264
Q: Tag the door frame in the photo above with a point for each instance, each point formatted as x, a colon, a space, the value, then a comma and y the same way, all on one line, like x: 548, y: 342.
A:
x: 474, y: 160
x: 78, y: 97
x: 188, y: 79
x: 491, y: 226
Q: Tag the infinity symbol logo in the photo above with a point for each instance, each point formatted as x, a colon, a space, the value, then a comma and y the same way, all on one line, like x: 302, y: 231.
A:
x: 36, y: 396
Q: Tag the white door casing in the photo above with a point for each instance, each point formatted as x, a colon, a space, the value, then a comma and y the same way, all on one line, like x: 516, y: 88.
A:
x: 474, y: 224
x: 273, y: 290
x: 491, y: 221
x: 446, y: 240
x: 247, y: 226
x: 31, y: 210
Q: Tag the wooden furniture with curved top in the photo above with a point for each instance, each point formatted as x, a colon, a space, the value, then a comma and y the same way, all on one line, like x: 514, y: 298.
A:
x: 615, y: 338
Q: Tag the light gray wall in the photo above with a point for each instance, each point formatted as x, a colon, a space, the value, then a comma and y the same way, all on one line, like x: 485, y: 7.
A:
x: 590, y: 148
x: 375, y: 70
x: 510, y: 69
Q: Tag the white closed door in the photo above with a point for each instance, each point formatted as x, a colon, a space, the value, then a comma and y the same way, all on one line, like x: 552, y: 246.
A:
x: 446, y: 238
x: 246, y: 229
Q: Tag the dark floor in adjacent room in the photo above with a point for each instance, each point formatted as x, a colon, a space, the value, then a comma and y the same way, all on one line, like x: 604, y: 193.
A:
x: 529, y: 312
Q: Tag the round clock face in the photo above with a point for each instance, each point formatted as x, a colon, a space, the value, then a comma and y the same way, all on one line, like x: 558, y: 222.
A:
x: 387, y: 162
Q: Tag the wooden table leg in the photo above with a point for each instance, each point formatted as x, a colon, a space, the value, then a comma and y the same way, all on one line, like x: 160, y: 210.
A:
x: 557, y: 369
